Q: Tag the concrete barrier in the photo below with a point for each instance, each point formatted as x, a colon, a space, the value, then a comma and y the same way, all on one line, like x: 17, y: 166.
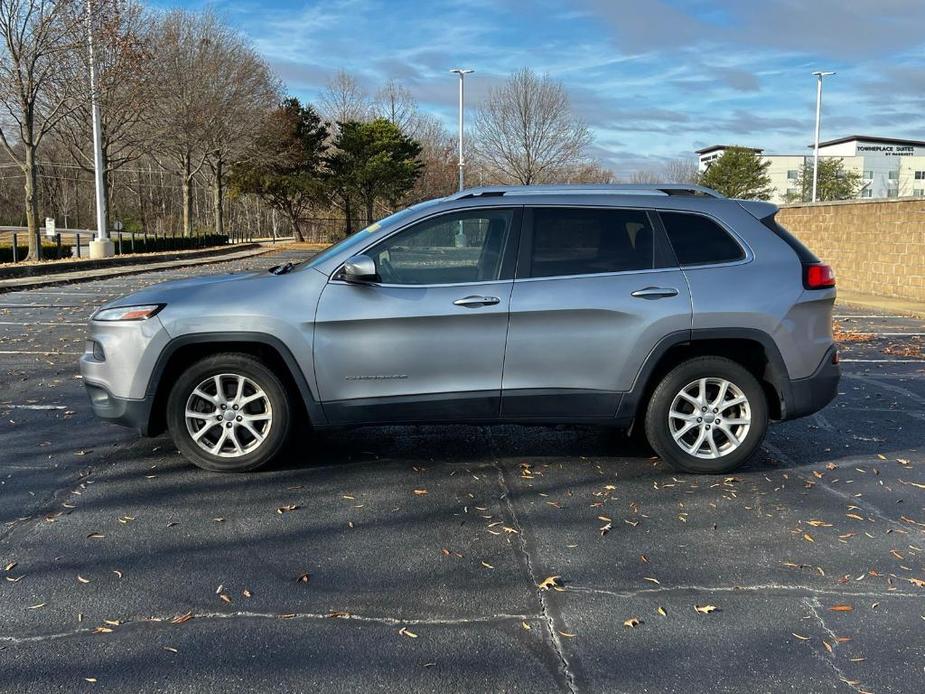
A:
x: 876, y: 246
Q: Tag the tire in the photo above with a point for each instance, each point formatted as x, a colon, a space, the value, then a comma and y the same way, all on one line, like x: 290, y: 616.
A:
x: 238, y: 431
x: 736, y: 429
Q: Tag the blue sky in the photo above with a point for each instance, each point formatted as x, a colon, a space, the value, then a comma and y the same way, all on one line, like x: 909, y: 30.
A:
x: 653, y: 79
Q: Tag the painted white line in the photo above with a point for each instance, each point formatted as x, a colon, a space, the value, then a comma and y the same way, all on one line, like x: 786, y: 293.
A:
x: 33, y: 322
x: 44, y: 354
x: 870, y: 315
x: 84, y: 305
x: 864, y: 332
x: 883, y: 361
x: 32, y: 407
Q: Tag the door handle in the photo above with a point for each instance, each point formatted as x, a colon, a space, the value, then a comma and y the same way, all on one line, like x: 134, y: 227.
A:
x: 475, y: 301
x: 655, y: 292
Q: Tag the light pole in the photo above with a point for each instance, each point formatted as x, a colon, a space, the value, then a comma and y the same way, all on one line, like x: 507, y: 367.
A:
x: 102, y: 246
x: 819, y: 75
x: 462, y: 72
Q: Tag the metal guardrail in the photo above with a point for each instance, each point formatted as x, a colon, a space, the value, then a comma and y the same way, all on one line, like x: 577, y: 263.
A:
x: 125, y: 241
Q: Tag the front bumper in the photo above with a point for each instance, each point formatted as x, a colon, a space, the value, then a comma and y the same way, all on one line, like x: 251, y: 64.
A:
x: 126, y: 412
x: 811, y: 394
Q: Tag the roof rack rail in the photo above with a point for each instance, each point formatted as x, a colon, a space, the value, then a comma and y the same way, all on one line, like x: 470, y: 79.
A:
x: 612, y: 189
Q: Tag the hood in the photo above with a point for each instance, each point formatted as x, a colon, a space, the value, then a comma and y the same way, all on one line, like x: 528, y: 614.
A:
x: 174, y: 290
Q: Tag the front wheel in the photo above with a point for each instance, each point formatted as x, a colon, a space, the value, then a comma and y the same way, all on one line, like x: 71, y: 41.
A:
x: 708, y: 415
x: 228, y: 413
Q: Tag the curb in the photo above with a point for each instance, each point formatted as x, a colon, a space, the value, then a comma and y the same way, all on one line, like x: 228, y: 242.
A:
x: 88, y: 275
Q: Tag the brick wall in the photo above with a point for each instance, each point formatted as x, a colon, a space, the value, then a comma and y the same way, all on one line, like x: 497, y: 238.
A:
x: 876, y: 246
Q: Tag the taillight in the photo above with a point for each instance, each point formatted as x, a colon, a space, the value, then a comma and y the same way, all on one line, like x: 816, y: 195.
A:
x: 818, y: 276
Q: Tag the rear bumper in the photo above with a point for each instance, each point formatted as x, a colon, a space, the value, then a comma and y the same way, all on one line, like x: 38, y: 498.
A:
x: 123, y: 411
x: 811, y: 394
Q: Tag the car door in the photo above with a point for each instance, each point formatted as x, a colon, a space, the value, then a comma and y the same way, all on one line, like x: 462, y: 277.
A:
x: 425, y: 342
x: 596, y: 289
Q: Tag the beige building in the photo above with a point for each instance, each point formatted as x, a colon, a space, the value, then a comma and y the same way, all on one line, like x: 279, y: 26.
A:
x: 889, y: 167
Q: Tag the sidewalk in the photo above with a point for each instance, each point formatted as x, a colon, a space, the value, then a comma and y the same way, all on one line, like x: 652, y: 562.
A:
x: 134, y: 269
x: 882, y: 303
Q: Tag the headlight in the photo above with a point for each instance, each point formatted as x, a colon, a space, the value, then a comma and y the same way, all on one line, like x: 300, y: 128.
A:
x: 127, y: 312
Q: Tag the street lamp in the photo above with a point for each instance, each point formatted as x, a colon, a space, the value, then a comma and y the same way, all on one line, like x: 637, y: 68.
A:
x: 102, y: 246
x: 462, y: 72
x: 819, y: 75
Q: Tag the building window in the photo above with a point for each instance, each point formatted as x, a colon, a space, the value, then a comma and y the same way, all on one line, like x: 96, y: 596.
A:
x: 892, y: 192
x: 868, y: 175
x: 867, y: 193
x: 894, y: 175
x: 920, y: 175
x: 793, y: 174
x: 919, y: 192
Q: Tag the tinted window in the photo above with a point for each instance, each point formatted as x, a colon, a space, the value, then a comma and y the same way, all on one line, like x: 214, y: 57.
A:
x: 698, y: 240
x: 452, y: 248
x: 571, y: 241
x: 805, y: 255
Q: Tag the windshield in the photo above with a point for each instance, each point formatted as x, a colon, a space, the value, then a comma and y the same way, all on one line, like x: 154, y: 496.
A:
x: 359, y: 237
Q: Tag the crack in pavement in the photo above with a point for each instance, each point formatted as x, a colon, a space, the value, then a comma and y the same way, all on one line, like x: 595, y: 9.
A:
x: 861, y: 503
x: 814, y: 606
x: 565, y: 666
x: 282, y: 616
x: 768, y: 587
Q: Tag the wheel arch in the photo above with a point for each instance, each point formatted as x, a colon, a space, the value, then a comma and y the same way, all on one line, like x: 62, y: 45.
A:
x: 753, y: 349
x: 180, y: 352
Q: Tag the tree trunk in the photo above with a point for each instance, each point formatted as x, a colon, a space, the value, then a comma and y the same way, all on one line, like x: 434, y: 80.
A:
x: 370, y: 202
x: 348, y: 213
x: 296, y: 227
x: 32, y: 205
x: 187, y: 197
x: 217, y: 198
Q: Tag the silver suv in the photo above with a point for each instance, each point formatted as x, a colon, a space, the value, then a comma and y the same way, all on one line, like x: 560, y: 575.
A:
x: 667, y: 310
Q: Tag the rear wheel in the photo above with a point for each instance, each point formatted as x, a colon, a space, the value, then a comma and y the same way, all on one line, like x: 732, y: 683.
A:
x: 708, y: 415
x: 228, y: 413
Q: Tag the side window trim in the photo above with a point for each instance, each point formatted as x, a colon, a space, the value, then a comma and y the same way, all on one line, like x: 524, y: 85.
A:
x: 747, y: 255
x: 508, y: 258
x: 664, y: 254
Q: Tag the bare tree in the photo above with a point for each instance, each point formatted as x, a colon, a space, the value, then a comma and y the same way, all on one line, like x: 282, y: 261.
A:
x: 680, y: 171
x: 526, y: 131
x: 123, y: 54
x: 395, y: 103
x: 184, y: 113
x: 343, y: 99
x: 588, y: 172
x: 35, y: 35
x: 240, y: 94
x: 641, y: 176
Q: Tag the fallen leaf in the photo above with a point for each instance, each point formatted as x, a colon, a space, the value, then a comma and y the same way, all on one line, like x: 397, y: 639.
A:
x: 410, y: 634
x: 551, y: 582
x: 304, y: 578
x: 705, y: 609
x: 171, y: 649
x: 420, y: 492
x: 802, y: 638
x: 632, y: 623
x: 567, y: 634
x: 82, y: 579
x: 661, y: 611
x: 181, y: 618
x: 841, y: 608
x: 95, y: 536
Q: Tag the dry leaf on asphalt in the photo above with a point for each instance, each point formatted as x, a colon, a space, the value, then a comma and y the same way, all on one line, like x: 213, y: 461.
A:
x: 632, y: 623
x: 705, y: 609
x: 551, y: 582
x: 841, y: 608
x: 304, y: 578
x: 410, y: 634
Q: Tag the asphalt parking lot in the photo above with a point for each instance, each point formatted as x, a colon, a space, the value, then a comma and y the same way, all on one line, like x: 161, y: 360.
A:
x: 410, y: 558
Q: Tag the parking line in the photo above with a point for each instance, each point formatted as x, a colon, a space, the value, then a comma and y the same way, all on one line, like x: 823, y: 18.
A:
x: 7, y: 406
x: 883, y: 361
x: 870, y: 315
x: 33, y: 322
x: 44, y: 354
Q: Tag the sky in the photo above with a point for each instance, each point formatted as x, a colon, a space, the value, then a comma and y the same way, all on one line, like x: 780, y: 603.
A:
x: 653, y: 79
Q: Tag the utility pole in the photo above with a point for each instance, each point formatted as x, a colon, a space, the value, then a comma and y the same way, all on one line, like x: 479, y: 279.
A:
x: 101, y: 246
x: 819, y: 75
x: 462, y: 72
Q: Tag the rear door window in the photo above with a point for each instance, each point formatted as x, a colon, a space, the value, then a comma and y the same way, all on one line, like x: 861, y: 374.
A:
x: 698, y: 240
x: 586, y: 241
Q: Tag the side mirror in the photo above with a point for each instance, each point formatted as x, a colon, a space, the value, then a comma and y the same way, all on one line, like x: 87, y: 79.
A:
x: 360, y: 268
